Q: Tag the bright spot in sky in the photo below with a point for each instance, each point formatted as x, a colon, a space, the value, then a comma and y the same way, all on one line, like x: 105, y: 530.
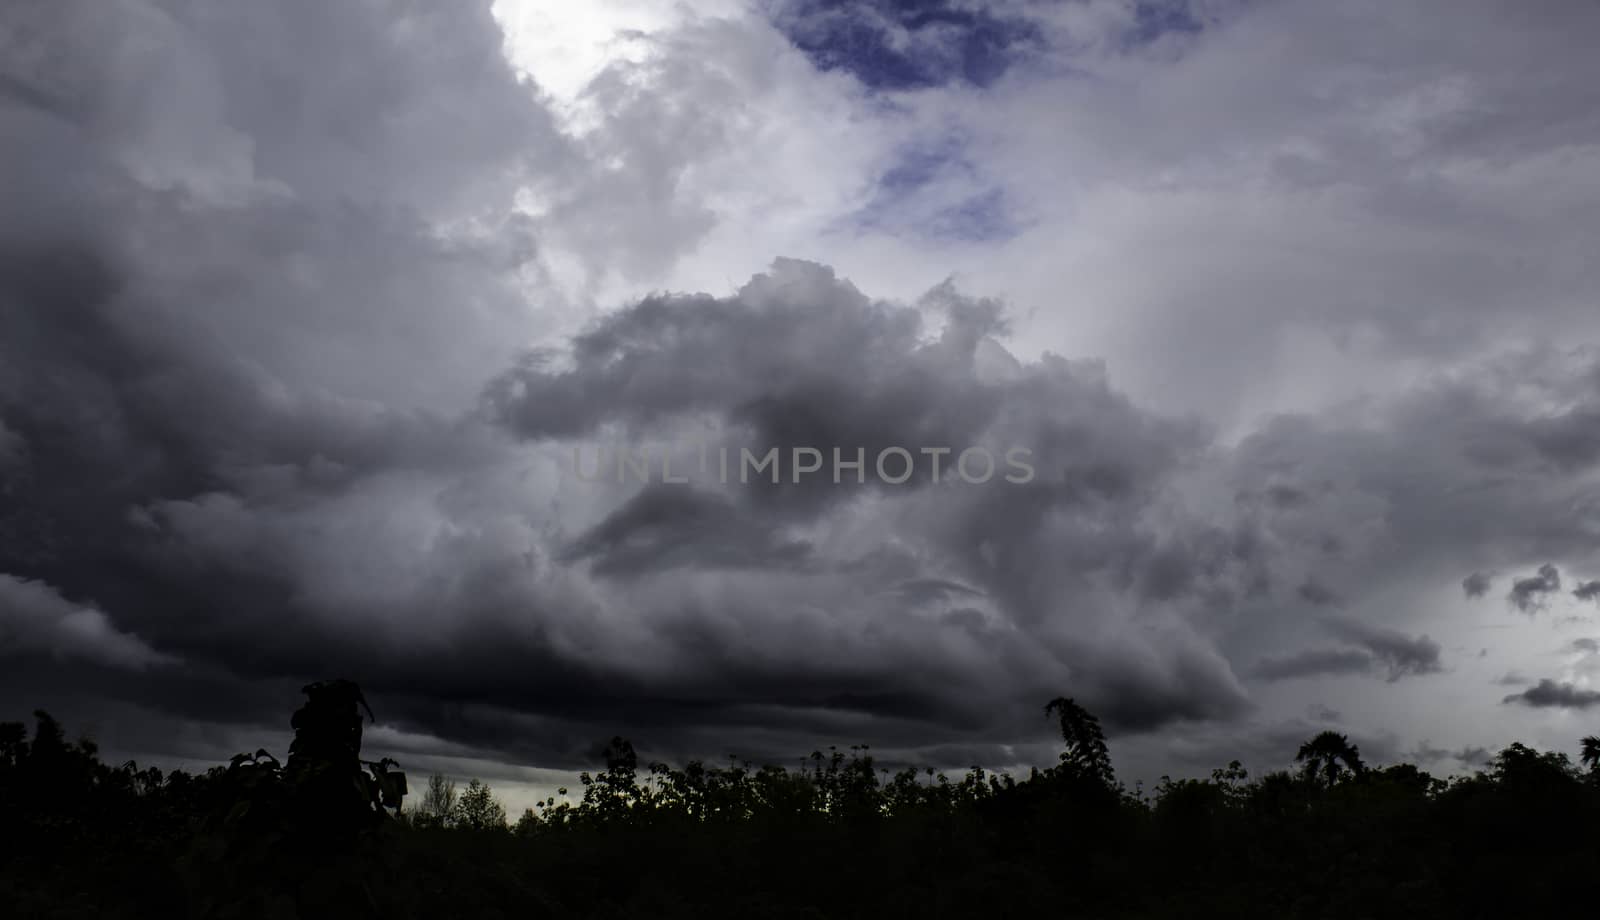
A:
x: 563, y: 45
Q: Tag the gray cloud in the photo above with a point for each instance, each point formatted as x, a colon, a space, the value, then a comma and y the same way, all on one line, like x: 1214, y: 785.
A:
x: 1477, y: 584
x: 1469, y: 756
x: 34, y: 618
x: 1587, y: 590
x: 1550, y: 694
x: 1399, y: 654
x: 1313, y: 662
x: 667, y: 525
x: 1528, y: 594
x: 1320, y: 713
x: 1374, y: 650
x: 1317, y: 594
x: 1260, y: 745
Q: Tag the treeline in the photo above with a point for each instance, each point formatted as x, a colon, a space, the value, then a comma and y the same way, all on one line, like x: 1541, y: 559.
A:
x: 840, y: 837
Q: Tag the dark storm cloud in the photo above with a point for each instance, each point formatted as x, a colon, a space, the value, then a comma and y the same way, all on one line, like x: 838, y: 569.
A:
x: 212, y: 312
x: 1587, y: 591
x: 668, y: 525
x: 257, y: 267
x: 1476, y: 585
x: 799, y: 357
x: 1528, y: 594
x: 1571, y: 439
x: 34, y: 618
x: 241, y: 449
x: 1399, y: 655
x: 1591, y: 646
x: 1550, y: 694
x: 1374, y: 650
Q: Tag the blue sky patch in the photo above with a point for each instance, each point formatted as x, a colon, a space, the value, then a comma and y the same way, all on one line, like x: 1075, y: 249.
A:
x: 933, y: 191
x: 978, y: 218
x: 906, y: 44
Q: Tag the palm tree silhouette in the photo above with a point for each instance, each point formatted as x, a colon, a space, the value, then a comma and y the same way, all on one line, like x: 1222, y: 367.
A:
x: 1328, y: 756
x: 1590, y: 753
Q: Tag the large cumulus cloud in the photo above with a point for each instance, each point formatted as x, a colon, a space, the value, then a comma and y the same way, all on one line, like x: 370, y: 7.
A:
x: 280, y: 398
x: 255, y: 261
x: 239, y: 420
x: 242, y: 337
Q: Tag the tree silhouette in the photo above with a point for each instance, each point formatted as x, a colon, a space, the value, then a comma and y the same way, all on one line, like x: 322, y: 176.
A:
x: 1589, y: 753
x: 1085, y: 753
x: 438, y: 805
x: 477, y: 809
x: 1328, y: 756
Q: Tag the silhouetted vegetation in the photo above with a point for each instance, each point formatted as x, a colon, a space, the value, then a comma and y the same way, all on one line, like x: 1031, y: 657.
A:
x: 324, y: 836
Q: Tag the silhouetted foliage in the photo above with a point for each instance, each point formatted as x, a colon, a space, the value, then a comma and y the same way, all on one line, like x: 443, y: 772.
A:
x: 1329, y: 756
x: 1086, y: 753
x: 836, y: 836
x: 477, y: 809
x: 438, y: 805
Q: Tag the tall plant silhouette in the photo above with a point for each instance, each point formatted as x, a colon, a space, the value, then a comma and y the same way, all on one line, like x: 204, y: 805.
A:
x: 1086, y: 754
x: 1589, y: 753
x: 1329, y: 757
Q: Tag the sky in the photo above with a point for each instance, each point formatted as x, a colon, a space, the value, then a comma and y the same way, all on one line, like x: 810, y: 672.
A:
x: 312, y: 314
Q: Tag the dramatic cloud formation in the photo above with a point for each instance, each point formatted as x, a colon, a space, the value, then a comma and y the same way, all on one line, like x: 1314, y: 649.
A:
x: 799, y: 358
x: 311, y: 315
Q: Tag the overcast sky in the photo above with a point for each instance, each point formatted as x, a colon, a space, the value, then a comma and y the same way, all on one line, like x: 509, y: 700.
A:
x: 308, y: 311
